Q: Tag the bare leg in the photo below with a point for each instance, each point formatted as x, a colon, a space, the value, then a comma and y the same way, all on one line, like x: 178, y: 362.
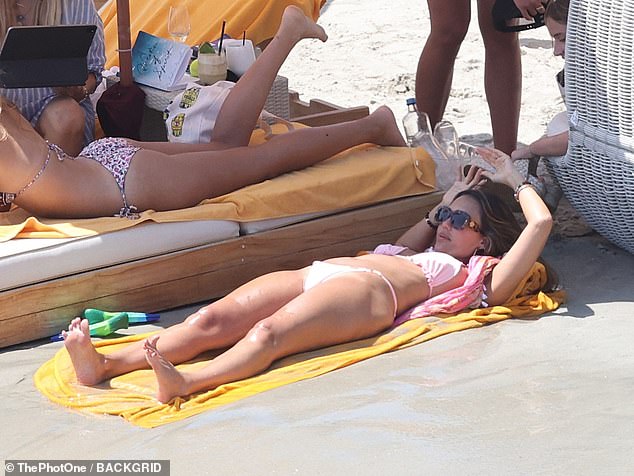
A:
x: 245, y: 102
x: 502, y: 79
x: 186, y: 180
x: 242, y: 107
x: 215, y: 326
x: 342, y: 309
x: 62, y: 122
x: 449, y: 25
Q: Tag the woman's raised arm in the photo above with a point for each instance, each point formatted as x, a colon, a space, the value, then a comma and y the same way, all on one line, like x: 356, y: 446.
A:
x: 529, y: 245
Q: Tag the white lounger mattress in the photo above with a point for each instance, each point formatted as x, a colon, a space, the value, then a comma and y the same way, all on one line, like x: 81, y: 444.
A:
x: 34, y: 260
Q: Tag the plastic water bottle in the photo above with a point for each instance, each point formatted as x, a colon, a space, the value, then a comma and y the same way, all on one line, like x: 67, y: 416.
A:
x: 418, y: 133
x: 410, y: 121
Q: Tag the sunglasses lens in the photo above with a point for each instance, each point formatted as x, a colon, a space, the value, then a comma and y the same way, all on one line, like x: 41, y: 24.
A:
x: 459, y: 220
x: 443, y: 214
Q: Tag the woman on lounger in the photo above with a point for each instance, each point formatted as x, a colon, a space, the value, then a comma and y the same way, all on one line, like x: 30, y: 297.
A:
x: 121, y: 176
x: 340, y: 299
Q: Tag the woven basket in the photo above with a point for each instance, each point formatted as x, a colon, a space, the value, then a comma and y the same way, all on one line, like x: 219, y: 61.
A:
x: 597, y: 174
x: 277, y: 102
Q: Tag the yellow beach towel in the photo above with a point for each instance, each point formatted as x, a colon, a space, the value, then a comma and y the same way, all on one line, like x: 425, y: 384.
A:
x: 131, y: 396
x: 260, y: 19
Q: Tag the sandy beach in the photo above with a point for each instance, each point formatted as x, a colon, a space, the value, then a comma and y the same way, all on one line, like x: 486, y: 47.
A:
x: 371, y: 55
x: 545, y: 396
x: 370, y: 59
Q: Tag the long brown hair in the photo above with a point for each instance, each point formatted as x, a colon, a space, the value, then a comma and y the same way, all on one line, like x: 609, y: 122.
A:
x: 499, y: 225
x: 45, y: 12
x: 501, y: 228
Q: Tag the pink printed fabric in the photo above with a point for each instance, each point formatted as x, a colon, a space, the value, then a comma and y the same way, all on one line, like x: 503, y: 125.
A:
x: 470, y: 294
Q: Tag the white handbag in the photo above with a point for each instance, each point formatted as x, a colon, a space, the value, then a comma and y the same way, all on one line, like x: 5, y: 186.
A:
x: 192, y: 114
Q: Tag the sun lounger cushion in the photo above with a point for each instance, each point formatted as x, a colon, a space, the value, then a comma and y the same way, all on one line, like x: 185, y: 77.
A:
x: 354, y: 178
x: 28, y: 261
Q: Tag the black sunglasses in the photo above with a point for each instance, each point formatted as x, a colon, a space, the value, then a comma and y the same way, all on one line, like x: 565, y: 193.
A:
x: 459, y: 219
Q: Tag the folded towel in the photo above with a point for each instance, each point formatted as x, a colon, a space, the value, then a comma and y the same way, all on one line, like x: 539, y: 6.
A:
x: 132, y: 395
x: 356, y: 177
x: 259, y: 19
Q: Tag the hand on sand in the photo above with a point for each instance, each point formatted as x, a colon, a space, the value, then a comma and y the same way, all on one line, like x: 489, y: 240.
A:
x: 523, y: 152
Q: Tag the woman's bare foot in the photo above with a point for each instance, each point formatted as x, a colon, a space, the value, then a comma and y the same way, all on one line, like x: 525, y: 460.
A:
x: 88, y: 363
x: 299, y: 26
x: 387, y: 132
x: 171, y: 382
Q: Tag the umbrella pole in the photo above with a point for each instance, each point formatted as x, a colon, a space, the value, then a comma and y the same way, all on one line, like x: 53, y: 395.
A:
x: 125, y: 44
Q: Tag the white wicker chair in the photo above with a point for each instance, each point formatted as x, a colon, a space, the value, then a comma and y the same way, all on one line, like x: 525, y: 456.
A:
x: 597, y: 174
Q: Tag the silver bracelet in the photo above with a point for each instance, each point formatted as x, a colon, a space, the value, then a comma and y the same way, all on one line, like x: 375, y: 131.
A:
x: 519, y: 188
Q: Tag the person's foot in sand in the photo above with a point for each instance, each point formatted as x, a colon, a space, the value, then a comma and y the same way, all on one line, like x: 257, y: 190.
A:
x: 171, y: 382
x: 298, y: 26
x: 88, y: 363
x: 387, y: 132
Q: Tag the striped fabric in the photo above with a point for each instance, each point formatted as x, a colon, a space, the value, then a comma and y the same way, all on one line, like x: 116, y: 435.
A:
x: 32, y: 101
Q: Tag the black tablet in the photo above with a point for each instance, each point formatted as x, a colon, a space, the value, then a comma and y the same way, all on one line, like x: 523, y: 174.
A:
x: 45, y: 56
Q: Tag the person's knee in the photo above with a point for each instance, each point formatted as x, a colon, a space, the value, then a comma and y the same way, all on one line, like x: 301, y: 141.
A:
x: 449, y: 36
x: 64, y: 116
x: 264, y: 337
x: 207, y: 321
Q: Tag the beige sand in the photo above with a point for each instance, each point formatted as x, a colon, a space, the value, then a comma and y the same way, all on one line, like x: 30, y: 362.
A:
x: 548, y: 396
x: 371, y: 55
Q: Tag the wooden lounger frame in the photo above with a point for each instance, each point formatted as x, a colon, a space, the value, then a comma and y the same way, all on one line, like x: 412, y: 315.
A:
x: 202, y: 273
x: 207, y: 272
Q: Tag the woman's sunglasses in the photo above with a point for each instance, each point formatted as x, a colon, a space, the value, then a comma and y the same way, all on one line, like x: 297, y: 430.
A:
x: 458, y: 219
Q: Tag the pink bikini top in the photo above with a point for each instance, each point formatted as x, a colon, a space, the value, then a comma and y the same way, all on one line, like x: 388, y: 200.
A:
x: 437, y: 267
x: 470, y: 295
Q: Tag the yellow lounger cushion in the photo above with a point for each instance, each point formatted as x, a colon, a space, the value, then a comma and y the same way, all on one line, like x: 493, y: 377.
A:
x: 359, y: 176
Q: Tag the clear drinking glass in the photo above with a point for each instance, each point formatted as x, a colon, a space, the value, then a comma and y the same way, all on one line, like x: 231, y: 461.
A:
x: 467, y: 151
x: 178, y: 24
x: 447, y: 138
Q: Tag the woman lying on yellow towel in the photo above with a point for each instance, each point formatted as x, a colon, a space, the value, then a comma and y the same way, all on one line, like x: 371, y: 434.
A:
x: 40, y: 178
x: 469, y: 252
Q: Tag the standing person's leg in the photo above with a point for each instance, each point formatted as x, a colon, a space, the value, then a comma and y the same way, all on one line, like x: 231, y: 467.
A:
x: 342, y: 309
x: 216, y: 326
x: 449, y: 24
x: 502, y: 79
x: 245, y: 102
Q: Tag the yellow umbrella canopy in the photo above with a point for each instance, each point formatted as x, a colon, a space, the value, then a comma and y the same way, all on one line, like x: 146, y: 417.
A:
x: 259, y: 18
